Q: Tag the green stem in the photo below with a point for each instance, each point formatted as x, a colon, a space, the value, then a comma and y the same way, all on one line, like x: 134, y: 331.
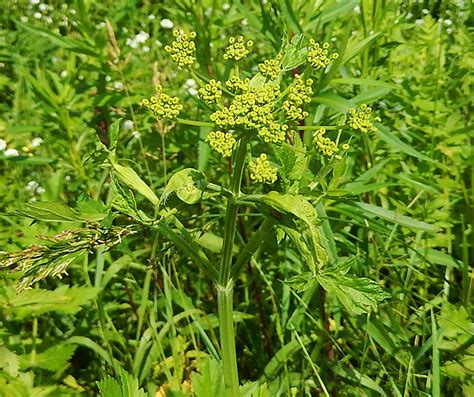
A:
x: 225, y: 285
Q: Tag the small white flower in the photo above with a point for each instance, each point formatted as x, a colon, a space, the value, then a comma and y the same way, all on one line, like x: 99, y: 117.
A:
x: 371, y: 33
x: 208, y: 12
x: 43, y: 7
x: 333, y: 39
x: 127, y: 125
x: 192, y: 91
x: 409, y: 15
x: 124, y: 29
x: 142, y: 37
x: 3, y: 145
x: 80, y: 77
x: 145, y: 48
x: 40, y: 190
x: 158, y: 43
x: 63, y: 73
x: 31, y: 186
x: 245, y: 22
x: 425, y: 11
x: 108, y: 78
x: 166, y: 24
x: 357, y: 9
x: 10, y: 153
x: 419, y: 22
x: 67, y: 178
x: 449, y: 31
x: 34, y: 2
x: 190, y: 83
x: 37, y: 15
x: 226, y: 6
x: 118, y: 85
x: 73, y: 11
x: 2, y: 65
x: 35, y: 142
x: 48, y: 20
x: 23, y: 19
x: 448, y: 22
x: 151, y: 17
x: 136, y: 135
x: 132, y: 43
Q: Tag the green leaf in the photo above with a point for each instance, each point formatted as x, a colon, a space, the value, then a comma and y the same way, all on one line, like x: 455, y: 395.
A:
x: 128, y: 176
x: 50, y: 212
x: 209, y: 382
x: 394, y: 217
x: 127, y: 386
x: 294, y: 53
x: 124, y: 201
x: 357, y: 295
x: 114, y: 130
x: 188, y: 184
x: 9, y: 361
x: 53, y: 359
x: 33, y: 302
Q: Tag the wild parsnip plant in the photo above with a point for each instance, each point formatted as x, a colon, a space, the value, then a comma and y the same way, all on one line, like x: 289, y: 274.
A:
x: 229, y: 212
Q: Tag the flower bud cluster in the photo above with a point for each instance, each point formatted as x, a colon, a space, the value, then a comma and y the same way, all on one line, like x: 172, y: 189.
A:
x: 253, y: 110
x: 183, y: 49
x: 271, y: 68
x: 325, y: 145
x: 237, y: 86
x: 163, y: 105
x: 318, y: 55
x: 221, y: 142
x: 299, y: 94
x: 237, y: 48
x: 261, y: 170
x: 211, y: 93
x: 362, y: 120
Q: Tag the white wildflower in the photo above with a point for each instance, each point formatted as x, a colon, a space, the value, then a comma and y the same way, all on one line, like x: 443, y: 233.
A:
x: 35, y: 142
x: 357, y: 9
x: 151, y: 17
x: 42, y: 7
x: 38, y: 15
x: 226, y: 6
x: 136, y: 135
x: 166, y: 24
x: 10, y: 153
x: 40, y: 190
x: 127, y: 125
x: 118, y: 85
x: 3, y: 145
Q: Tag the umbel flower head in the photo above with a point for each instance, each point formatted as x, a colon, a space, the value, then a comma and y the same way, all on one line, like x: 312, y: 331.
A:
x: 271, y: 68
x: 362, y: 120
x: 324, y: 144
x: 211, y: 93
x: 221, y: 142
x: 262, y: 171
x: 237, y: 86
x: 237, y: 48
x: 299, y: 94
x: 318, y: 55
x: 163, y: 105
x: 183, y: 49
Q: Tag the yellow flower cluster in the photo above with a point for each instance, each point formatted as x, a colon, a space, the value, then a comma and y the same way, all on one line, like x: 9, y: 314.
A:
x: 183, y: 49
x: 271, y: 68
x: 318, y: 56
x: 162, y: 105
x: 362, y: 120
x: 236, y: 85
x: 221, y: 142
x: 211, y: 93
x: 299, y: 94
x: 261, y: 170
x: 237, y: 48
x: 253, y: 110
x: 325, y: 145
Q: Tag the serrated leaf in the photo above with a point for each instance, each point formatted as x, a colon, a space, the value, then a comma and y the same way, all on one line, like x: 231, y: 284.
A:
x: 127, y: 387
x: 33, y: 302
x: 209, y: 382
x: 52, y: 359
x: 294, y: 53
x: 49, y: 212
x: 9, y: 361
x: 188, y: 184
x: 114, y: 130
x: 357, y: 295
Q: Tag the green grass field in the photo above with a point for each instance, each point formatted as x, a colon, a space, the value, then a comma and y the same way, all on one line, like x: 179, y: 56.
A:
x: 236, y: 199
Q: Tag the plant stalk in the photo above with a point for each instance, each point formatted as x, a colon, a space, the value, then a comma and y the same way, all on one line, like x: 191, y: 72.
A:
x: 225, y: 284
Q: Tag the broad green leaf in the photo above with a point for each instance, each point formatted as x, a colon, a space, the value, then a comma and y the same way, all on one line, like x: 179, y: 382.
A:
x: 9, y: 361
x: 294, y: 53
x: 394, y: 217
x: 128, y: 176
x: 91, y: 210
x: 357, y: 295
x: 33, y: 302
x: 50, y: 212
x: 53, y: 359
x: 124, y: 201
x: 209, y: 381
x: 126, y: 386
x: 188, y: 184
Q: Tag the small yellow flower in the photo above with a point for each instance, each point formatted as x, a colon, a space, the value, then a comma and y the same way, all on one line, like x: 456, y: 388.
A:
x: 318, y: 55
x: 211, y: 93
x: 221, y: 142
x: 183, y: 49
x: 325, y: 145
x: 271, y: 68
x: 299, y: 94
x: 236, y: 85
x: 362, y: 120
x: 237, y: 48
x: 163, y: 105
x: 261, y: 170
x: 273, y: 132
